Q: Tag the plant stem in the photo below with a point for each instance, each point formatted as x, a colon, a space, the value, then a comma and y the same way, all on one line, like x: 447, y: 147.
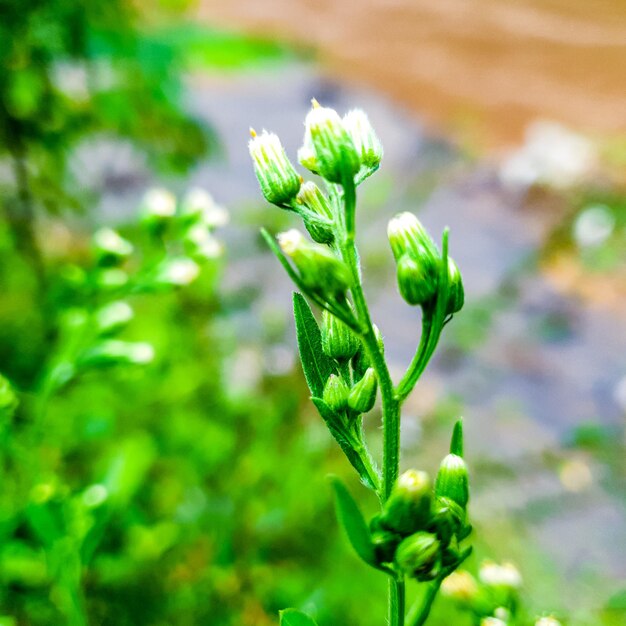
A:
x: 419, y: 613
x: 391, y: 405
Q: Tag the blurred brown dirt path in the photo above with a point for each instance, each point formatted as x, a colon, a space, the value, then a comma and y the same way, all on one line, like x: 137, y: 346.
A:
x: 483, y: 68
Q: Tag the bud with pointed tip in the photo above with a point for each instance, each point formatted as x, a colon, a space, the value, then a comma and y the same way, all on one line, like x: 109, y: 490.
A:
x: 336, y: 157
x: 336, y: 393
x: 320, y: 270
x: 364, y: 138
x: 456, y: 293
x: 338, y: 341
x: 363, y: 395
x: 408, y: 508
x: 419, y: 556
x: 277, y: 177
x: 452, y: 480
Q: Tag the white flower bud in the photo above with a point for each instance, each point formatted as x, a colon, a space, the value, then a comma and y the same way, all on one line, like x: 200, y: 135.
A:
x: 277, y: 177
x: 335, y: 154
x: 365, y: 141
x: 496, y: 575
x: 158, y: 204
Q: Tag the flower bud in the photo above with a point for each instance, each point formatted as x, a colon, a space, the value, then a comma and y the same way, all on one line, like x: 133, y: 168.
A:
x: 316, y: 213
x: 456, y: 293
x: 448, y: 520
x: 417, y: 282
x: 547, y: 621
x: 336, y: 393
x: 110, y: 247
x: 319, y: 268
x: 198, y: 206
x: 460, y: 587
x: 113, y: 316
x: 306, y: 154
x: 363, y: 395
x: 385, y: 543
x: 335, y: 155
x: 418, y: 556
x: 158, y: 206
x: 492, y: 621
x: 364, y: 138
x: 115, y: 352
x: 452, y: 480
x: 338, y: 341
x: 408, y: 507
x: 277, y: 177
x: 176, y: 272
x: 311, y: 197
x: 505, y: 576
x: 407, y: 236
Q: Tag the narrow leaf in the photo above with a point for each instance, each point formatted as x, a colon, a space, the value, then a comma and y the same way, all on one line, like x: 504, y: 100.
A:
x: 337, y: 430
x: 352, y: 520
x: 316, y: 365
x: 292, y: 617
x: 456, y: 443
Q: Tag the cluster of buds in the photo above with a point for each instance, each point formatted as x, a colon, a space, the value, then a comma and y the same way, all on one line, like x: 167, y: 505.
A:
x: 181, y: 240
x: 492, y: 598
x: 421, y: 527
x: 418, y: 265
x: 353, y: 392
x: 339, y: 150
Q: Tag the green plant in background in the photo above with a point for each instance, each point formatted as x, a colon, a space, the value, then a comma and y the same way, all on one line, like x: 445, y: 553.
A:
x: 53, y: 519
x: 421, y: 530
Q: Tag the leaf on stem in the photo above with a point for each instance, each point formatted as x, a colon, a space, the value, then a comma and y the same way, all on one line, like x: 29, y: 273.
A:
x: 340, y: 433
x: 354, y: 524
x: 292, y: 617
x: 316, y: 365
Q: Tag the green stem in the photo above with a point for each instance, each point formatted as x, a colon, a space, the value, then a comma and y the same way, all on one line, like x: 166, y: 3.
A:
x: 420, y: 612
x: 419, y: 362
x: 391, y: 405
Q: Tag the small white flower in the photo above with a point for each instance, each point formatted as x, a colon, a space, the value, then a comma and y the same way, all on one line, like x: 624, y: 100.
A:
x: 159, y: 203
x: 496, y: 575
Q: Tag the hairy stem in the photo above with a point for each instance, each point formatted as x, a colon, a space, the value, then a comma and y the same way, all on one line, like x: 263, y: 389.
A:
x: 391, y: 405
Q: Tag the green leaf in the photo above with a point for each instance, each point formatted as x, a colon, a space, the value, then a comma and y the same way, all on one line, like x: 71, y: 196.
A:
x: 292, y: 617
x: 349, y: 447
x: 316, y: 365
x: 352, y: 520
x: 456, y: 443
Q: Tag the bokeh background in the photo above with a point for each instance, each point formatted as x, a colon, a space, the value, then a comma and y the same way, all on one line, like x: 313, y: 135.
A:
x: 191, y: 489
